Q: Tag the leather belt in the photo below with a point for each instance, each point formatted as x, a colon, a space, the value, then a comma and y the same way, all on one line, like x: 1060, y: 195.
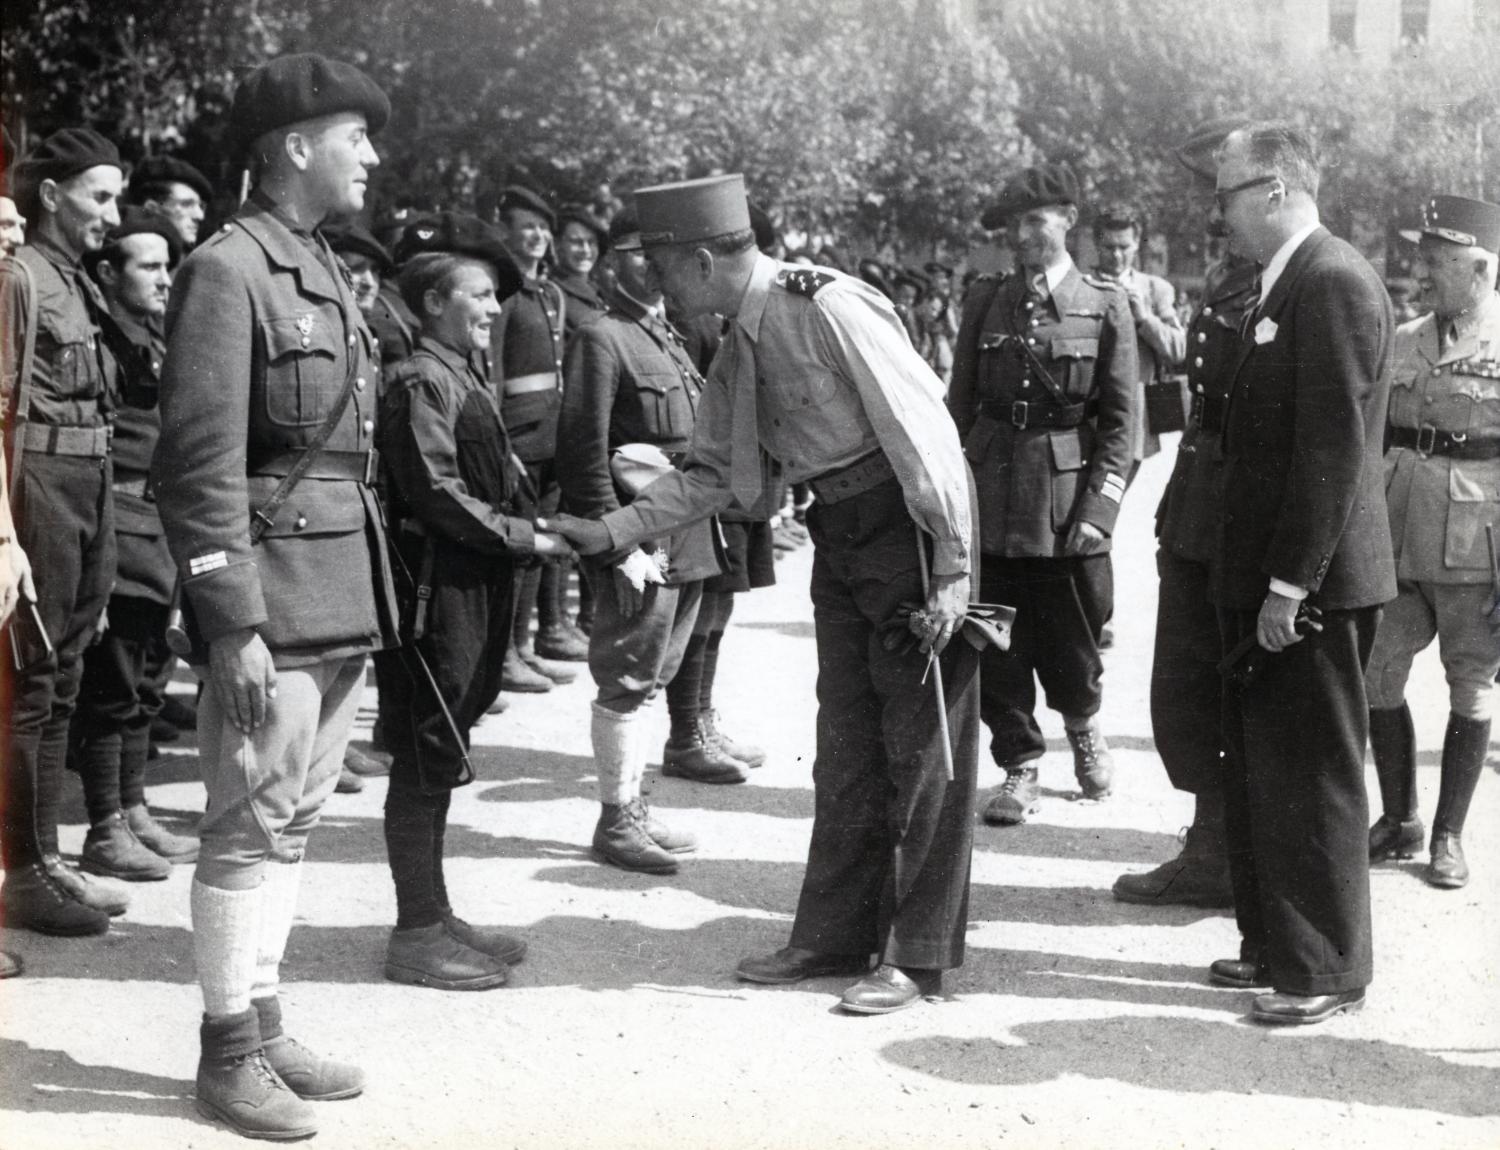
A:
x: 536, y: 381
x: 89, y: 442
x: 357, y: 466
x: 1209, y: 412
x: 136, y: 485
x: 1024, y: 414
x: 846, y: 482
x: 1428, y: 440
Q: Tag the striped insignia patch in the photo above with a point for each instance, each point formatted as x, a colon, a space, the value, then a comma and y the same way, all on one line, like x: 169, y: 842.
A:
x: 1113, y: 488
x: 203, y: 564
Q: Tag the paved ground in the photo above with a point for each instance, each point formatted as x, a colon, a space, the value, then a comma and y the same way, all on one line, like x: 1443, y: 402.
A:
x: 1077, y: 1022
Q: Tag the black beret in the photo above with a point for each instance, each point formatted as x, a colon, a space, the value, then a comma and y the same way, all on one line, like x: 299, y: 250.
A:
x: 625, y: 231
x: 913, y: 277
x: 517, y: 196
x: 350, y: 237
x: 1197, y: 153
x: 291, y: 89
x: 578, y: 214
x: 761, y: 225
x: 459, y: 234
x: 933, y: 268
x: 166, y: 170
x: 62, y: 155
x: 136, y: 221
x: 1044, y: 186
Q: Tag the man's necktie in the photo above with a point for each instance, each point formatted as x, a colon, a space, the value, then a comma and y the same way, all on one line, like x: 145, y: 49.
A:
x: 744, y: 440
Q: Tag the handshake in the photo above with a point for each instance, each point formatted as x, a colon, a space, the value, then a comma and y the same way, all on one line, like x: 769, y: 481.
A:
x: 632, y: 575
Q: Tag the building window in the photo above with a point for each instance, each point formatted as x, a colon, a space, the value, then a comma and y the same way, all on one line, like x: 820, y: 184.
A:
x: 1341, y: 22
x: 1415, y: 15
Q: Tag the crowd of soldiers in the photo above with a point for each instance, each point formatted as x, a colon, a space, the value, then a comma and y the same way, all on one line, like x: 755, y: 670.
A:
x: 307, y: 446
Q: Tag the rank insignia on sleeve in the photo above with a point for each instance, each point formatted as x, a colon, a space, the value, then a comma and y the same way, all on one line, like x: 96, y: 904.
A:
x: 804, y: 281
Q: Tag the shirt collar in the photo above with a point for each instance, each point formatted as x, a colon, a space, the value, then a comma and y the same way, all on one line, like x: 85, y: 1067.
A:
x: 1055, y: 274
x: 54, y: 254
x: 1277, y: 263
x: 450, y: 358
x: 757, y: 291
x: 1460, y: 327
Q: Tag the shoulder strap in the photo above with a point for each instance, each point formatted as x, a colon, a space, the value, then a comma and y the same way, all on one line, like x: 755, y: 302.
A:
x: 17, y: 424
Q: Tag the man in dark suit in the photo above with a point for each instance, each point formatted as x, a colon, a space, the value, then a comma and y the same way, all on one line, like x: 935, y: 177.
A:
x: 1303, y: 524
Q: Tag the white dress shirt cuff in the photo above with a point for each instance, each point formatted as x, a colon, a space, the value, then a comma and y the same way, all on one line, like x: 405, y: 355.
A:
x: 1289, y: 590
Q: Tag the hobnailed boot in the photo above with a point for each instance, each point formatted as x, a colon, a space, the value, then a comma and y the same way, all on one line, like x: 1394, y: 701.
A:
x: 692, y: 753
x: 1465, y: 745
x: 620, y: 837
x: 1093, y: 765
x: 747, y: 753
x: 111, y: 849
x: 516, y: 676
x: 237, y: 1086
x: 307, y: 1075
x: 1398, y: 833
x: 1198, y: 876
x: 175, y: 848
x: 1017, y: 797
x: 31, y: 899
x: 109, y: 899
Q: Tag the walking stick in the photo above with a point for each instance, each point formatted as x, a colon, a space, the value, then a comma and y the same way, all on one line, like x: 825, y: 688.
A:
x: 937, y: 679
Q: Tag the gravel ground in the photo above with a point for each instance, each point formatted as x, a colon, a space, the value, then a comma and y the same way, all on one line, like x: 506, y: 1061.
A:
x: 1077, y: 1021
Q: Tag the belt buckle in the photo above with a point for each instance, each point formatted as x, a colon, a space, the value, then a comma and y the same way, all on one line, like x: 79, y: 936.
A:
x: 1019, y: 411
x: 1431, y: 433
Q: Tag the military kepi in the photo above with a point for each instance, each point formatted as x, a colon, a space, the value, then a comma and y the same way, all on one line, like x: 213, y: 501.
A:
x: 1470, y: 223
x: 692, y: 210
x: 290, y: 89
x: 1048, y: 185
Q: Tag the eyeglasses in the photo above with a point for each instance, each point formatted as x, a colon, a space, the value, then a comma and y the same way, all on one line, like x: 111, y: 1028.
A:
x: 1221, y: 195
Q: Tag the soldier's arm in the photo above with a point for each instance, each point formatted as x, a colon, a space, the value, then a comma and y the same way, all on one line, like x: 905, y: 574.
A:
x: 963, y: 384
x: 592, y: 371
x: 1160, y: 327
x: 13, y: 321
x: 1115, y: 377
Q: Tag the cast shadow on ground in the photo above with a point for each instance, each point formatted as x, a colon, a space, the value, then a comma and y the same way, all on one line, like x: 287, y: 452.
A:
x: 1073, y: 906
x: 1044, y: 974
x: 1125, y: 845
x: 1195, y: 1056
x: 798, y: 629
x: 37, y: 1080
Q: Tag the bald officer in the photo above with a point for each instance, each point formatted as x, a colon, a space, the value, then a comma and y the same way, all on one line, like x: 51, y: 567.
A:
x: 1442, y: 469
x: 266, y: 349
x: 817, y: 370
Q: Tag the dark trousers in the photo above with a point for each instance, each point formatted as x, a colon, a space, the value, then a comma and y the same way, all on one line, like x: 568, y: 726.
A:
x: 539, y: 586
x: 1186, y: 689
x: 1061, y: 607
x: 888, y: 866
x: 1295, y: 808
x: 65, y: 523
x: 125, y: 678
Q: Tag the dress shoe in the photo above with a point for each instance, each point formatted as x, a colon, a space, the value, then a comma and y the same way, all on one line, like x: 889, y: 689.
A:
x: 1393, y: 838
x: 1093, y: 765
x: 366, y: 765
x: 888, y: 988
x: 674, y: 842
x: 1447, y: 868
x: 691, y: 753
x: 10, y: 965
x: 349, y: 783
x: 176, y: 849
x: 793, y: 964
x: 100, y: 896
x: 1304, y: 1009
x: 517, y: 677
x: 1240, y: 973
x: 431, y: 956
x: 747, y: 753
x: 560, y: 641
x: 31, y: 899
x: 621, y: 839
x: 486, y: 939
x: 1017, y: 797
x: 555, y: 669
x: 111, y: 849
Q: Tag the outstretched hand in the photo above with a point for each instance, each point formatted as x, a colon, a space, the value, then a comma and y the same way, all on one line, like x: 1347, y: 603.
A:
x: 588, y: 535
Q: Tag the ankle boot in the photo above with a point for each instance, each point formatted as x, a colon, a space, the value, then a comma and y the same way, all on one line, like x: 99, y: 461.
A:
x: 100, y: 896
x: 175, y: 848
x: 1093, y: 765
x: 1398, y: 833
x: 692, y: 753
x: 516, y: 676
x: 31, y: 899
x: 111, y: 849
x: 674, y: 842
x: 1198, y: 876
x: 556, y: 670
x: 621, y: 839
x: 307, y: 1075
x: 237, y: 1086
x: 1016, y: 798
x: 1465, y: 744
x: 747, y: 753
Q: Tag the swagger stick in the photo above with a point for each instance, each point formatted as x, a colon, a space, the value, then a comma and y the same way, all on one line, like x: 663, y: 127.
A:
x: 934, y: 665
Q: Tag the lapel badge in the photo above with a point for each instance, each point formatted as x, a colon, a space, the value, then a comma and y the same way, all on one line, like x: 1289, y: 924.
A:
x: 305, y: 323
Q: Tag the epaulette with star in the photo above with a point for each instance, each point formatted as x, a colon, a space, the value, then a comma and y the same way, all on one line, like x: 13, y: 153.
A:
x: 804, y: 281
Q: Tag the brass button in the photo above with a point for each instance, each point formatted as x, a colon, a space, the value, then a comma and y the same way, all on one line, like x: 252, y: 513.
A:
x: 1437, y: 371
x: 1208, y: 311
x: 359, y: 384
x: 301, y: 522
x: 1203, y: 337
x: 1030, y: 305
x: 306, y: 342
x: 1197, y: 361
x: 369, y: 425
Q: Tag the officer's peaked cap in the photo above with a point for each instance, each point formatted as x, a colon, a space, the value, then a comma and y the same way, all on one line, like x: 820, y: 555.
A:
x: 625, y: 231
x: 1046, y: 185
x: 692, y: 210
x: 290, y: 89
x: 1469, y: 223
x: 460, y: 234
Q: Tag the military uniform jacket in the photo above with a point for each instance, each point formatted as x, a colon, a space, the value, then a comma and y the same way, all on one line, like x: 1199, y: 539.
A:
x: 629, y: 380
x: 146, y: 570
x: 1187, y: 517
x: 1304, y: 500
x: 527, y: 341
x: 261, y: 332
x: 393, y: 325
x: 1034, y: 480
x: 584, y: 303
x: 1440, y: 505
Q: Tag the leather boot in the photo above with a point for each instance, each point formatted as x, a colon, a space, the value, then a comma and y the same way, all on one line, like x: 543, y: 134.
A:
x: 175, y: 848
x: 487, y: 939
x: 432, y: 956
x: 692, y: 753
x: 674, y: 842
x: 305, y: 1073
x: 111, y: 849
x: 556, y: 670
x: 1198, y: 876
x: 1016, y: 798
x: 560, y: 640
x: 747, y: 753
x: 349, y: 783
x: 1093, y: 765
x: 1466, y: 742
x: 101, y: 896
x: 31, y: 899
x: 621, y: 839
x: 366, y: 765
x: 237, y: 1086
x: 1398, y: 833
x: 516, y: 676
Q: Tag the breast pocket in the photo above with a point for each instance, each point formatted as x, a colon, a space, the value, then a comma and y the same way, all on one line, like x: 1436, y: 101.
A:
x: 805, y: 389
x: 1473, y: 503
x: 1074, y: 358
x: 1474, y: 406
x: 302, y: 369
x: 664, y: 404
x: 73, y: 364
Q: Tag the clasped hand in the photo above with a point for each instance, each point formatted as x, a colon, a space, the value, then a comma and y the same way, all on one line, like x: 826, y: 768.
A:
x: 589, y: 536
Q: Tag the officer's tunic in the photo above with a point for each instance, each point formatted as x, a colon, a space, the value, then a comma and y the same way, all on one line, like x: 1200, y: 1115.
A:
x: 1443, y: 489
x: 64, y: 520
x: 393, y: 325
x: 583, y: 305
x: 526, y: 359
x: 1045, y: 455
x: 630, y: 381
x: 842, y: 399
x: 1185, y: 683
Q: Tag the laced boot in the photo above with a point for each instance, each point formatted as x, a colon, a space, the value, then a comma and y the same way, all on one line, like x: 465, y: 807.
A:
x: 1093, y: 765
x: 1198, y: 876
x: 560, y: 640
x: 31, y: 899
x: 674, y: 842
x: 692, y: 753
x: 747, y: 753
x: 307, y: 1075
x: 105, y: 897
x: 111, y: 849
x: 486, y: 939
x: 1465, y: 745
x: 621, y: 839
x: 173, y: 847
x: 516, y: 676
x: 1398, y: 833
x: 237, y: 1086
x: 1017, y: 797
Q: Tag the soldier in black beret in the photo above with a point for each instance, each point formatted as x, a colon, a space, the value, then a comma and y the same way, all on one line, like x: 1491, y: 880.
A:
x: 12, y: 226
x: 1043, y: 391
x: 176, y: 189
x: 285, y: 582
x: 56, y: 383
